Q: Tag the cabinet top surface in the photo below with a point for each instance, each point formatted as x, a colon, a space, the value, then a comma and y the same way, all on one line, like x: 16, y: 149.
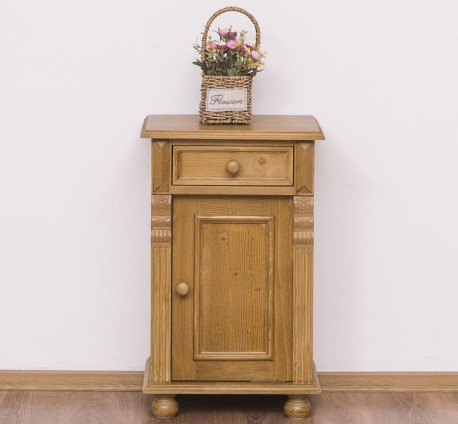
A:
x: 262, y: 127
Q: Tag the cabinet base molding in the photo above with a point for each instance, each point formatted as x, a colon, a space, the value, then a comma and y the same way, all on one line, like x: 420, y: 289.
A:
x: 132, y: 381
x: 218, y: 387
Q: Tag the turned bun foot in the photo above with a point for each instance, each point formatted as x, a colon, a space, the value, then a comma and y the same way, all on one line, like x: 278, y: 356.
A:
x: 164, y: 406
x: 297, y: 407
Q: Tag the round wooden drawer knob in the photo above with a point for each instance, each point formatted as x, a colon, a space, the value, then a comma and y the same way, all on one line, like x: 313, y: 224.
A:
x: 182, y: 289
x: 233, y: 167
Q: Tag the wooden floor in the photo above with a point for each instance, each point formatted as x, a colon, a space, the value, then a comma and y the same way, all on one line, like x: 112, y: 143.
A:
x: 18, y: 407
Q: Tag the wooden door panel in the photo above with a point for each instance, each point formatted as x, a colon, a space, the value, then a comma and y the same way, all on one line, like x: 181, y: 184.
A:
x: 233, y: 286
x: 235, y: 323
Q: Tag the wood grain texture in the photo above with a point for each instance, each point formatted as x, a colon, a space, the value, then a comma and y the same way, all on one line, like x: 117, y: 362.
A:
x: 164, y: 406
x: 161, y: 166
x: 234, y: 245
x: 229, y: 142
x: 231, y: 387
x: 183, y: 365
x: 133, y: 380
x: 262, y: 127
x: 297, y: 406
x: 303, y: 290
x: 234, y: 313
x: 257, y: 165
x: 161, y: 286
x: 72, y: 380
x: 233, y: 298
x: 161, y: 220
x: 303, y: 222
x: 390, y: 381
x: 134, y: 408
x: 304, y: 166
x: 234, y: 190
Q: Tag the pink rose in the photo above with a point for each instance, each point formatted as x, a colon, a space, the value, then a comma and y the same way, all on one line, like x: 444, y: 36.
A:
x: 232, y: 34
x: 232, y: 44
x: 243, y: 50
x: 221, y: 46
x: 224, y: 32
x: 256, y: 55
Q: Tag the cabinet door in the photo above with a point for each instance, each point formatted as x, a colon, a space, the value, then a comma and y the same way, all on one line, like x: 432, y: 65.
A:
x: 235, y: 254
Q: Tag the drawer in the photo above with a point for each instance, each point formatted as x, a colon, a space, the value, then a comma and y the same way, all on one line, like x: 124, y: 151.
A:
x: 233, y: 165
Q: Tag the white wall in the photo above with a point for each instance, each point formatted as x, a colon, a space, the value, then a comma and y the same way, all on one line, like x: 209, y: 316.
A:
x: 78, y: 77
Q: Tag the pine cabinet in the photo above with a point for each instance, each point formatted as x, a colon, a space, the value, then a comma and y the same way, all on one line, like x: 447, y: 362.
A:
x: 231, y: 259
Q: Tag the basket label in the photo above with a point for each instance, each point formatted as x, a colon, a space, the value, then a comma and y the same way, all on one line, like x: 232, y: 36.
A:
x: 226, y: 99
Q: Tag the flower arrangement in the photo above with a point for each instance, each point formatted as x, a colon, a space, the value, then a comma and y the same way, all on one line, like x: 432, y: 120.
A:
x: 228, y: 65
x: 230, y: 56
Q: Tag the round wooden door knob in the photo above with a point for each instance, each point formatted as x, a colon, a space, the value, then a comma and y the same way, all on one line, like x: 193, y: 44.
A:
x: 233, y: 167
x: 182, y: 289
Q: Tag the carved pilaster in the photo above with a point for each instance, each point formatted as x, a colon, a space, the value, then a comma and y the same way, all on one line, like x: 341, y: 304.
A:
x: 161, y: 283
x: 161, y: 220
x: 303, y: 221
x: 302, y: 290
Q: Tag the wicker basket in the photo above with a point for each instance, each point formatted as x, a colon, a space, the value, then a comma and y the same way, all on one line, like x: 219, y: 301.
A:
x: 215, y: 83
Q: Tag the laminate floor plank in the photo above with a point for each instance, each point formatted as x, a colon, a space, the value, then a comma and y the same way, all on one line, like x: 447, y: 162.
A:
x: 60, y: 407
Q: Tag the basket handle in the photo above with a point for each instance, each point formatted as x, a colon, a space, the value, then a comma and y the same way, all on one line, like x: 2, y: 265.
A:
x: 203, y: 53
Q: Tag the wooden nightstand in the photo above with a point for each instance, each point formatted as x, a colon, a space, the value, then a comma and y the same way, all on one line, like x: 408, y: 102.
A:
x: 231, y: 259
